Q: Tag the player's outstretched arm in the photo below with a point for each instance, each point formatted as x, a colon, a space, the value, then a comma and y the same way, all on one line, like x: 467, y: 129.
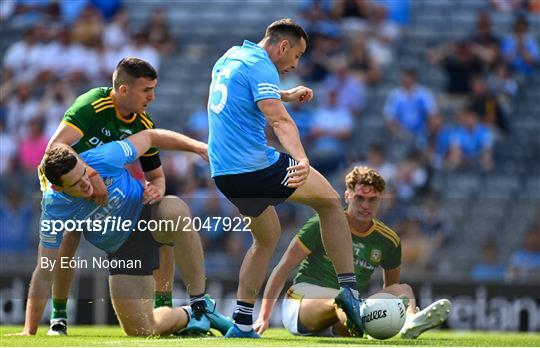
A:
x: 40, y: 290
x: 167, y: 140
x: 290, y: 260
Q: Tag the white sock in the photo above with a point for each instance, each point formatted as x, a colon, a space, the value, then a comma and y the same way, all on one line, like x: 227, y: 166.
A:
x: 245, y: 328
x: 188, y: 310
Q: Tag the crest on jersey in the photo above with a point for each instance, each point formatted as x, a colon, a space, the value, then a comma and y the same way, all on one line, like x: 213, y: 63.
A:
x: 375, y: 256
x: 108, y: 181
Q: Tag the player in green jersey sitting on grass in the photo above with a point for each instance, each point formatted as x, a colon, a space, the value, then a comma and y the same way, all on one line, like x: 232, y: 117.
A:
x: 308, y: 307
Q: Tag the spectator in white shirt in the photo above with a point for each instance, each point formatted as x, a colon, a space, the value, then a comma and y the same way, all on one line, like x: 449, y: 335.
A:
x: 140, y: 48
x: 21, y: 108
x: 22, y: 57
x: 331, y: 129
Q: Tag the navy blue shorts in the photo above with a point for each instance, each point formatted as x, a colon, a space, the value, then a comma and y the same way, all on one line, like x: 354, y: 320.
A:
x: 141, y: 248
x: 253, y: 192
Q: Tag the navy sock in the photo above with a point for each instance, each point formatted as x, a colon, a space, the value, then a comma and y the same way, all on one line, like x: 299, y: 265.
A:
x: 348, y: 280
x: 243, y: 315
x: 198, y: 304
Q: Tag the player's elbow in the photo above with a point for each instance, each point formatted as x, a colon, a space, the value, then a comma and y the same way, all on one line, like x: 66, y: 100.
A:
x: 281, y: 124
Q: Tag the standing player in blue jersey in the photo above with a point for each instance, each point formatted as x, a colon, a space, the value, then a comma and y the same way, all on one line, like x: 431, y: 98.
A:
x: 133, y: 248
x: 244, y: 98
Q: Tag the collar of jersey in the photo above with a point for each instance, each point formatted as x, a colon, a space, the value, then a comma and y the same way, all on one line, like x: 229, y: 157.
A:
x: 368, y: 232
x: 118, y: 116
x: 64, y: 196
x: 250, y: 44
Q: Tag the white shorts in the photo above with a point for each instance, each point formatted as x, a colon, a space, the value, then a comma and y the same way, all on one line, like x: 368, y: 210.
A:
x: 290, y: 306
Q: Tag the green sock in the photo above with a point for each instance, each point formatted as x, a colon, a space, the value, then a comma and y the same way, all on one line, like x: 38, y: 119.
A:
x: 59, y: 309
x: 162, y: 299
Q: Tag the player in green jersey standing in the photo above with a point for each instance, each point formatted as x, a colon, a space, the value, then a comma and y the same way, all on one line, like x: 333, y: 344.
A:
x: 106, y: 114
x: 308, y: 307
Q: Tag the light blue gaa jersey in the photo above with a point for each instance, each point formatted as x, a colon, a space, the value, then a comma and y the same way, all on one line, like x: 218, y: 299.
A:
x: 125, y: 200
x: 237, y: 143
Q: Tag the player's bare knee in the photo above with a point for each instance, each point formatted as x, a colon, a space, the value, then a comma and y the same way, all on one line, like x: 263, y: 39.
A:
x: 330, y: 202
x: 169, y: 214
x: 266, y: 242
x: 143, y: 326
x: 407, y: 290
x: 170, y: 208
x: 44, y: 274
x: 138, y: 331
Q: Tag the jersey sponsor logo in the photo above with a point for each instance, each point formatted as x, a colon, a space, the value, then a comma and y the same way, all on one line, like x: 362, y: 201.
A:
x: 116, y: 197
x: 363, y: 264
x: 125, y: 133
x: 95, y: 142
x: 375, y: 256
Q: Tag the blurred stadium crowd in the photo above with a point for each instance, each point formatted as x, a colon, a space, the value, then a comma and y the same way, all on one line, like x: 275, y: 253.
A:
x: 440, y: 96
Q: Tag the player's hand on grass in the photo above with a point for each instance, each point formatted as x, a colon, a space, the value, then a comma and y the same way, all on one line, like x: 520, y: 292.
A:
x: 100, y: 195
x: 298, y: 174
x: 261, y: 325
x: 299, y: 94
x: 24, y: 333
x: 151, y: 194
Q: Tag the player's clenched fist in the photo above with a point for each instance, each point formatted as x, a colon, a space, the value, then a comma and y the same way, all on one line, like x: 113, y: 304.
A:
x: 202, y: 150
x: 298, y: 174
x: 100, y: 195
x: 151, y: 194
x: 299, y: 94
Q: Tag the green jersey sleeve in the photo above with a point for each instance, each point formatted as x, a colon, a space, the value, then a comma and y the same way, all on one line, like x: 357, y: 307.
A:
x: 79, y: 117
x: 310, y: 235
x: 393, y: 258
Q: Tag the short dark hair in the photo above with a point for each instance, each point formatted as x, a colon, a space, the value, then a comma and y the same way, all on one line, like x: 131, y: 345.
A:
x: 131, y: 68
x: 285, y: 28
x: 58, y: 161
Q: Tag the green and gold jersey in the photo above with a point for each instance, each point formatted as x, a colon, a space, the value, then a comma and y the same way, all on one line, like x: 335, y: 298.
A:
x: 380, y: 246
x: 94, y: 116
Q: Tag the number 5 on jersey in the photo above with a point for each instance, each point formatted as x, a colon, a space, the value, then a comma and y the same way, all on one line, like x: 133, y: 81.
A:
x: 218, y: 86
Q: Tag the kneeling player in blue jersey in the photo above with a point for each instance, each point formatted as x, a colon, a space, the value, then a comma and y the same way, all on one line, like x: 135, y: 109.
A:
x: 308, y: 307
x: 131, y: 250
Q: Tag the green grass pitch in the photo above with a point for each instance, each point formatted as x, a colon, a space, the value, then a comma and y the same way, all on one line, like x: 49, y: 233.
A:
x: 111, y: 336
